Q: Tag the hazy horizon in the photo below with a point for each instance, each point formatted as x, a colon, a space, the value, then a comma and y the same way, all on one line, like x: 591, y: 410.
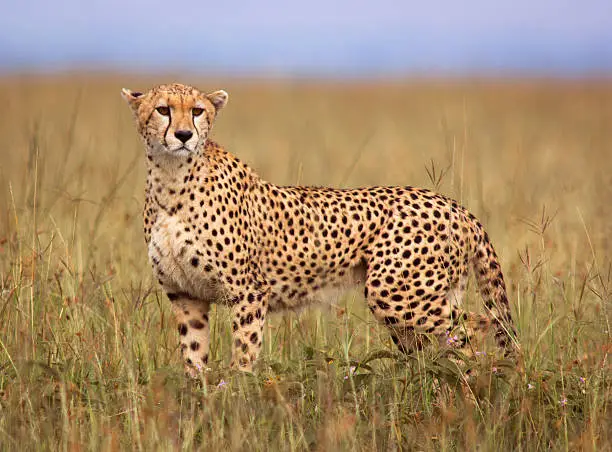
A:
x: 345, y: 38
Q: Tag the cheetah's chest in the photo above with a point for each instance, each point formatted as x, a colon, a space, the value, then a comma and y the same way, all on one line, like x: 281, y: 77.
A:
x: 176, y: 261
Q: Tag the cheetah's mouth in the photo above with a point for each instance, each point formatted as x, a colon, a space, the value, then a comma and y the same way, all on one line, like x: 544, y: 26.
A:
x: 181, y: 151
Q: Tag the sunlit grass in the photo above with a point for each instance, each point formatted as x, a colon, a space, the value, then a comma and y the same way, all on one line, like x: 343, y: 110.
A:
x: 88, y: 347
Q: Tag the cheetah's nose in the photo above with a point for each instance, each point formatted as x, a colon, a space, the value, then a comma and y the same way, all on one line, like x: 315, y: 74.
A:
x: 183, y: 135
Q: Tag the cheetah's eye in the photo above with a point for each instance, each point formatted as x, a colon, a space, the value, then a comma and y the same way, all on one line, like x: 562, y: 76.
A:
x: 197, y: 111
x: 164, y: 111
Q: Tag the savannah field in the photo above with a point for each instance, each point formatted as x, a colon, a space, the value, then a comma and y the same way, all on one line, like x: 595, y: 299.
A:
x: 88, y: 346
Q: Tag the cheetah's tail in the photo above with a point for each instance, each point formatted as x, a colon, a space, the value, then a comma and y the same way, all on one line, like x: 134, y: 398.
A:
x: 493, y: 290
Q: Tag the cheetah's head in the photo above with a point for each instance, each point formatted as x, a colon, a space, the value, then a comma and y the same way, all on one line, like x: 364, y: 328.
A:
x: 174, y: 119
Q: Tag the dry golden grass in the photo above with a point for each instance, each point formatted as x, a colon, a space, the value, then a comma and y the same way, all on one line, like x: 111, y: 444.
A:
x: 87, y: 346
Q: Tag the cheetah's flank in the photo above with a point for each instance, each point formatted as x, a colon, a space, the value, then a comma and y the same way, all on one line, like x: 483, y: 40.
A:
x: 217, y: 232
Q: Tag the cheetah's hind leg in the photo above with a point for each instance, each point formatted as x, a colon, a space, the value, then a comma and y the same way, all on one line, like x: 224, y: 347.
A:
x: 414, y: 315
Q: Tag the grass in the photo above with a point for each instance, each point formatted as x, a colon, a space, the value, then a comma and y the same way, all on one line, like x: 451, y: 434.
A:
x: 88, y: 348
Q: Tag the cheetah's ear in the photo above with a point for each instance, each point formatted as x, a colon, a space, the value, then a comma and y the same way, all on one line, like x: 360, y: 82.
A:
x: 218, y: 99
x: 132, y: 98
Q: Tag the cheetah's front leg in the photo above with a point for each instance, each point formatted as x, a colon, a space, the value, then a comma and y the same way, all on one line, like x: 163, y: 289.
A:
x: 193, y: 328
x: 248, y: 318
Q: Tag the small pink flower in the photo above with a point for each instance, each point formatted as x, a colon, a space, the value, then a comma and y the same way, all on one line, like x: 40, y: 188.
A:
x: 221, y: 384
x: 563, y: 401
x: 451, y: 340
x: 351, y: 372
x: 530, y: 386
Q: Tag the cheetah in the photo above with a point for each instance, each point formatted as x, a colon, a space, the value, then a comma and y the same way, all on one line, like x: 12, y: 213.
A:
x: 218, y: 233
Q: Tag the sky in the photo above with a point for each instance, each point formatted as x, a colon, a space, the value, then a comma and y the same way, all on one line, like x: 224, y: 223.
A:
x: 314, y: 37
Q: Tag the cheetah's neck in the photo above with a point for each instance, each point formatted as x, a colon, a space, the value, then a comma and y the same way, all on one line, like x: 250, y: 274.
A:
x: 167, y: 176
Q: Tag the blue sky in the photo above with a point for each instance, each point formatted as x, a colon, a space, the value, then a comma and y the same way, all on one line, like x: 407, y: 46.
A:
x: 315, y: 37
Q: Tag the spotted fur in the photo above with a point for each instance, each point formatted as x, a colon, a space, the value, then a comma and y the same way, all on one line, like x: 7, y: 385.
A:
x: 218, y: 233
